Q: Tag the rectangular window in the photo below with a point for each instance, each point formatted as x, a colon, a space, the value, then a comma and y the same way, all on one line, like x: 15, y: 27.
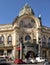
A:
x: 44, y: 54
x: 1, y: 52
x: 43, y: 44
x: 49, y: 53
x: 10, y: 39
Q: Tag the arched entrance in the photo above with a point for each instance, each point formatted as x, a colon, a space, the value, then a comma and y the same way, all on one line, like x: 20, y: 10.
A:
x: 30, y: 49
x: 30, y: 54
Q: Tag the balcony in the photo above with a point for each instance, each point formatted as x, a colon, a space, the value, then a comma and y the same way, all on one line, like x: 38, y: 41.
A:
x: 8, y: 45
x: 2, y: 45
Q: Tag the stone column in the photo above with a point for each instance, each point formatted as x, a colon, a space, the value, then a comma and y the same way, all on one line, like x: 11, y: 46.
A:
x: 37, y: 37
x: 5, y: 52
x: 5, y: 40
x: 47, y: 54
x: 39, y: 43
x: 14, y: 52
x: 14, y: 43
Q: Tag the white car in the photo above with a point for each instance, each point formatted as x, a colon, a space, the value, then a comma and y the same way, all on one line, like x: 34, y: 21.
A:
x: 30, y: 60
x: 40, y: 59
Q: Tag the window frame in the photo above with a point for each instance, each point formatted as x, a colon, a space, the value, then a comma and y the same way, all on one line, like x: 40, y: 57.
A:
x: 27, y: 37
x: 44, y: 41
x: 9, y: 41
x: 1, y: 39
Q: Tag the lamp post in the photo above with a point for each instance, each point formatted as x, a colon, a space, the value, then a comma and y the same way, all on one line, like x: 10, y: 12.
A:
x: 39, y: 47
x: 21, y: 40
x: 21, y: 50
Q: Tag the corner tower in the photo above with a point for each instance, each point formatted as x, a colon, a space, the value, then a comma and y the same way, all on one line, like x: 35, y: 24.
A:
x: 28, y: 30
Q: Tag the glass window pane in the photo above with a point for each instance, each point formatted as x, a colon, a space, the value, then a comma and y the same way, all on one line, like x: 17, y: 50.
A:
x: 27, y: 37
x: 9, y: 38
x: 2, y: 38
x: 43, y: 39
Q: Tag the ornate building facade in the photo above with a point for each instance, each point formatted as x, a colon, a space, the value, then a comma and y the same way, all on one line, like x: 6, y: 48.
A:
x: 25, y: 34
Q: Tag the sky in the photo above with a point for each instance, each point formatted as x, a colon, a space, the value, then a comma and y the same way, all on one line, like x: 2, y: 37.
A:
x: 9, y: 9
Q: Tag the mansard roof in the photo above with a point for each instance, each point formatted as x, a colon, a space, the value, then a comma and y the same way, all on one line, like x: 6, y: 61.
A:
x: 46, y: 28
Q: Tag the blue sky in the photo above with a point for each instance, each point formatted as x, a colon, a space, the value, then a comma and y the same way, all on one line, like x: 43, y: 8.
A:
x: 9, y: 9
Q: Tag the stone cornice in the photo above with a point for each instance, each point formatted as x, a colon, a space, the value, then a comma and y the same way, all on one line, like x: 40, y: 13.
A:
x: 45, y: 29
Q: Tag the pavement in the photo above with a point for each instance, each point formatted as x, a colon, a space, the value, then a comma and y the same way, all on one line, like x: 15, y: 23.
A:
x: 29, y: 64
x: 20, y: 64
x: 12, y: 63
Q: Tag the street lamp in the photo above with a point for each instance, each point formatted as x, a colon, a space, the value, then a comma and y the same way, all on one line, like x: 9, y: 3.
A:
x: 21, y: 50
x: 39, y: 49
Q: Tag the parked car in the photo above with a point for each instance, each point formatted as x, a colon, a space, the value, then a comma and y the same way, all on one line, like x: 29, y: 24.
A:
x: 2, y: 59
x: 40, y: 59
x: 47, y: 63
x: 18, y: 61
x: 33, y: 60
x: 29, y: 60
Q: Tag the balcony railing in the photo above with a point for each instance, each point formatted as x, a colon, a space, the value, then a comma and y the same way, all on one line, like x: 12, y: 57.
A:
x: 8, y: 45
x: 2, y: 45
x: 5, y: 45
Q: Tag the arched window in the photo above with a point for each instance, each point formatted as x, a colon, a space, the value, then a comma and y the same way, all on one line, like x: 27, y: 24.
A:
x: 43, y: 40
x: 27, y: 37
x: 9, y: 39
x: 21, y: 24
x: 2, y: 39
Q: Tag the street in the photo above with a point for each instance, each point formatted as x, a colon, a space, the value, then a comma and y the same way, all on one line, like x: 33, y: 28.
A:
x: 20, y: 64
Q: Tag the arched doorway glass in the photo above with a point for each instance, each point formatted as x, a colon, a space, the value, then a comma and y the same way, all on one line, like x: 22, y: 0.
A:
x: 27, y: 37
x: 30, y: 54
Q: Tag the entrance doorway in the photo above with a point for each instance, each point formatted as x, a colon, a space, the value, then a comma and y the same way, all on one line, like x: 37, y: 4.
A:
x: 30, y: 54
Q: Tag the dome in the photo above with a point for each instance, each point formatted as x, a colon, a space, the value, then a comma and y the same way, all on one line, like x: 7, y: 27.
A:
x: 26, y: 10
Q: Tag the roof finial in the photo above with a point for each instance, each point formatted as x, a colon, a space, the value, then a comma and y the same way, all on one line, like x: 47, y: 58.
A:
x: 26, y: 4
x: 39, y: 15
